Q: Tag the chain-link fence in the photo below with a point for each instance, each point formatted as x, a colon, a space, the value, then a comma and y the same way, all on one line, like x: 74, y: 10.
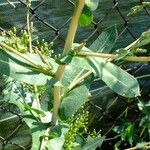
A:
x: 50, y: 21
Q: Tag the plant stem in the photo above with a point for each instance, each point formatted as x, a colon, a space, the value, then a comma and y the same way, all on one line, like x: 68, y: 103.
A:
x: 127, y: 58
x: 29, y: 25
x: 73, y: 84
x: 68, y: 45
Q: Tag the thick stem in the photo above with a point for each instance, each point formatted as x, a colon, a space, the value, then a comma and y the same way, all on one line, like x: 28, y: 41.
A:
x: 68, y: 45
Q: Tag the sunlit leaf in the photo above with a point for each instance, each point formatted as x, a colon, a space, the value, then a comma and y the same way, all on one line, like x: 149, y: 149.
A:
x: 86, y: 17
x: 92, y: 4
x: 117, y: 79
x: 105, y: 41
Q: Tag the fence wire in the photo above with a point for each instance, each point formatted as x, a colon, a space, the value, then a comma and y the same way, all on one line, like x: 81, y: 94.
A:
x: 103, y: 118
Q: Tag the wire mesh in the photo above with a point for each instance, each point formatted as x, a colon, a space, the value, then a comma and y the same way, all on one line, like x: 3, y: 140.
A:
x: 54, y: 29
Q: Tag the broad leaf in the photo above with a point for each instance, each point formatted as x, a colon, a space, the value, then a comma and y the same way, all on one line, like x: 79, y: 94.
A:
x: 73, y: 101
x: 93, y: 143
x: 117, y: 79
x: 105, y: 41
x: 92, y: 4
x: 22, y: 71
x: 57, y: 142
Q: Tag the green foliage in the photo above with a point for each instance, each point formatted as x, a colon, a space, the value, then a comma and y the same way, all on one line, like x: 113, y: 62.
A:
x: 37, y: 104
x: 138, y: 8
x: 117, y: 79
x: 105, y: 41
x: 72, y: 101
x: 86, y: 17
x: 21, y: 70
x: 74, y: 138
x: 78, y: 128
x: 19, y: 43
x: 58, y: 132
x: 92, y: 4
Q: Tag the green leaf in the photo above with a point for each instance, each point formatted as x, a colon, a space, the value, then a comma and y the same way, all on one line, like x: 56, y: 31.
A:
x: 21, y: 70
x: 106, y: 40
x: 135, y: 10
x: 92, y: 4
x: 32, y: 109
x: 58, y: 141
x: 86, y: 17
x: 73, y: 101
x: 117, y: 79
x: 143, y: 40
x: 93, y: 143
x: 13, y: 93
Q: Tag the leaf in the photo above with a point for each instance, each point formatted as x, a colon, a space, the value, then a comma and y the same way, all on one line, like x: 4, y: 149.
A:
x: 32, y: 109
x: 92, y: 4
x: 57, y: 142
x: 22, y: 71
x: 105, y: 41
x: 143, y: 40
x: 135, y: 10
x: 71, y: 75
x: 117, y: 79
x: 93, y: 143
x: 86, y: 17
x: 73, y: 101
x: 13, y: 93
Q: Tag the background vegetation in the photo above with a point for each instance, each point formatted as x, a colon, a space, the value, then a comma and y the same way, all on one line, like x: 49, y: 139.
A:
x: 123, y: 121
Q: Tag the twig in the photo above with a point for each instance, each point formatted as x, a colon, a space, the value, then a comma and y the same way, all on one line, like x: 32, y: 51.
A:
x: 29, y: 25
x: 134, y: 148
x: 127, y: 58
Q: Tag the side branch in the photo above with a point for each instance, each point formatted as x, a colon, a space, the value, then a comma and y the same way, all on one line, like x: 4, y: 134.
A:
x: 112, y: 56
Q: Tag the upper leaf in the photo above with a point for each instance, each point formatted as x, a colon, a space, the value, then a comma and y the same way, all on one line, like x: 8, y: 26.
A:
x: 92, y: 4
x: 105, y: 41
x: 86, y: 17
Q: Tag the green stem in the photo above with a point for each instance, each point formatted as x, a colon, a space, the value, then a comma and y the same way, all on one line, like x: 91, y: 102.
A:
x: 68, y: 45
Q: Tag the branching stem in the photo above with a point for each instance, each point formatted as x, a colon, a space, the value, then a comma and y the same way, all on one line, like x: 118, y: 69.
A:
x: 68, y: 45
